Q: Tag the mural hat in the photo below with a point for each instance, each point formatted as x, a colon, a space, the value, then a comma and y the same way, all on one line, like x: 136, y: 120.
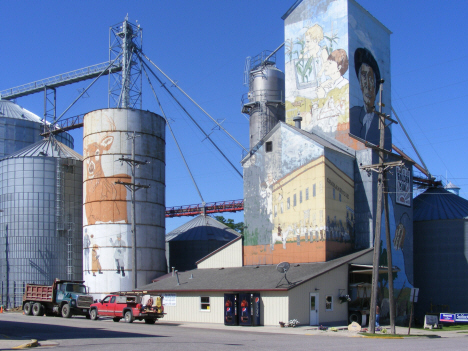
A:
x: 362, y: 55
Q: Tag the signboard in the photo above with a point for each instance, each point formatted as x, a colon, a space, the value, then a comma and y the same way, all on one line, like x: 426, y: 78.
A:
x: 430, y: 321
x: 447, y: 318
x: 414, y: 294
x: 403, y: 186
x: 461, y: 317
x: 169, y: 299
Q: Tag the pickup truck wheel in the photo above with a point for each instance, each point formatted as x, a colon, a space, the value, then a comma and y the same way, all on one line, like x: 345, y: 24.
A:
x: 150, y: 321
x: 66, y: 311
x: 128, y: 317
x: 37, y: 309
x: 93, y: 314
x: 116, y: 319
x: 27, y: 309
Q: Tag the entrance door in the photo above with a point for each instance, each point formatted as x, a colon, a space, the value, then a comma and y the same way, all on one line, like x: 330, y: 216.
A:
x: 313, y: 308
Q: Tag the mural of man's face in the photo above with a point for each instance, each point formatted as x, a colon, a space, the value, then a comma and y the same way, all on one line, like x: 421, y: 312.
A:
x: 367, y: 83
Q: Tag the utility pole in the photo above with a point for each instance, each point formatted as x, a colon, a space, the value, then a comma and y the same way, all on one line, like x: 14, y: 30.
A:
x: 389, y: 261
x: 133, y: 188
x: 381, y: 169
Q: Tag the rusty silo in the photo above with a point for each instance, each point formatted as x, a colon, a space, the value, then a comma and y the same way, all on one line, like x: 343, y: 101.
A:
x: 107, y: 235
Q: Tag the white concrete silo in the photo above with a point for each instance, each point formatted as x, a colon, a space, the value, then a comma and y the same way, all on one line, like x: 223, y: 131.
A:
x: 107, y: 236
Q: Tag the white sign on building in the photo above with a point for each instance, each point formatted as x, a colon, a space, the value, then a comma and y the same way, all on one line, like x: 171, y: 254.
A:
x: 403, y: 186
x: 169, y: 299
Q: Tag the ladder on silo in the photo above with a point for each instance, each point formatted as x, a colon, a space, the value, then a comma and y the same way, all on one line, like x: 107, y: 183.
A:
x: 59, y: 197
x: 70, y: 246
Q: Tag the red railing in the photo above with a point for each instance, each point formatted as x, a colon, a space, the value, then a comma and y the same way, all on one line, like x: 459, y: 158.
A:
x: 210, y: 207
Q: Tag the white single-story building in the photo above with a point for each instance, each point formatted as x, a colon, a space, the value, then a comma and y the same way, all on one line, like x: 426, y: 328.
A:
x: 308, y: 292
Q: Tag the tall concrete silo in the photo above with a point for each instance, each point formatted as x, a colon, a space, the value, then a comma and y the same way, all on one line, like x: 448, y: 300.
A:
x: 265, y: 99
x: 20, y: 128
x: 107, y: 206
x: 40, y: 232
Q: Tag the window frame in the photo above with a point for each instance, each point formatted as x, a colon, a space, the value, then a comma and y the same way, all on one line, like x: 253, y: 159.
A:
x: 207, y: 304
x: 329, y: 303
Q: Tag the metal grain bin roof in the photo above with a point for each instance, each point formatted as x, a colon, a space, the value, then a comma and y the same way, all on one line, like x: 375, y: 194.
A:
x: 11, y: 110
x: 49, y: 147
x: 439, y: 204
x: 202, y: 228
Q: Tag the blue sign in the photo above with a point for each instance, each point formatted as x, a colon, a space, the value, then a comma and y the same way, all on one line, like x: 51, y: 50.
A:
x: 447, y: 317
x: 461, y: 317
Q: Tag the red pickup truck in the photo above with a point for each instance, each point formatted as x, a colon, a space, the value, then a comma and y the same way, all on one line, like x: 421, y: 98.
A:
x: 146, y: 307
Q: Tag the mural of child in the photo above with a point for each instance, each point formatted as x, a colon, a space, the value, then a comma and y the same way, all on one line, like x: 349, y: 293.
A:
x: 309, y: 65
x: 96, y: 265
x: 334, y: 68
x: 119, y: 246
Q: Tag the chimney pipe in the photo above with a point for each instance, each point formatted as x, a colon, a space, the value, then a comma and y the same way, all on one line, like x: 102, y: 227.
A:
x: 297, y: 120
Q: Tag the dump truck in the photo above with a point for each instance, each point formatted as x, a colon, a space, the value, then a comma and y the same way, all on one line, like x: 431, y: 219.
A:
x: 63, y: 297
x: 129, y: 307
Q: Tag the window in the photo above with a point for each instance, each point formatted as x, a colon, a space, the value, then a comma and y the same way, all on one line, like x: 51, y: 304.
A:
x: 269, y: 146
x: 300, y: 197
x: 339, y: 196
x: 205, y: 303
x: 313, y: 191
x: 288, y: 205
x: 333, y: 193
x: 329, y: 303
x: 113, y: 299
x: 294, y: 200
x: 276, y: 210
x: 307, y: 194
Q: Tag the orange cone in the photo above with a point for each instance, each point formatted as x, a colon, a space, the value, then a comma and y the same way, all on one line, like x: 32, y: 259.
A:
x: 1, y: 309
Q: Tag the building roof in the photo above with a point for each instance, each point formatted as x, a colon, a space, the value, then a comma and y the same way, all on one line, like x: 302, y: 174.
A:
x: 48, y: 147
x: 11, y: 110
x: 439, y: 204
x: 315, y: 135
x: 248, y: 278
x: 202, y: 228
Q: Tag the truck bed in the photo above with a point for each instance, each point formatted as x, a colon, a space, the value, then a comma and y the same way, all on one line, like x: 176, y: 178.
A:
x: 41, y: 293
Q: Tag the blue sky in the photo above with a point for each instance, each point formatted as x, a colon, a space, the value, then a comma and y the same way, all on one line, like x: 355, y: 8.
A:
x: 203, y: 45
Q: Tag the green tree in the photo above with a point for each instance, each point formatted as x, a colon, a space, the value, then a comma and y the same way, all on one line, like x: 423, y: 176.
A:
x: 238, y: 227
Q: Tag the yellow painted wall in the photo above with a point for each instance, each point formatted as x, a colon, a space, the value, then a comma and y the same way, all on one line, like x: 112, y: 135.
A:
x: 339, y: 203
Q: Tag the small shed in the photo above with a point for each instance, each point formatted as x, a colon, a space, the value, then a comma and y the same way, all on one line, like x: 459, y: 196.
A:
x: 194, y: 240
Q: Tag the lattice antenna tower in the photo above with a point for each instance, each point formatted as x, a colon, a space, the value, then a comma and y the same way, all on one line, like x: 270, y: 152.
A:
x: 125, y: 86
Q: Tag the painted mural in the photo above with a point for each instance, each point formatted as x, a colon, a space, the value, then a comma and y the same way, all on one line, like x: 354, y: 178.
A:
x: 105, y: 201
x: 402, y: 257
x: 299, y: 211
x: 105, y: 234
x: 335, y: 58
x: 317, y: 77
